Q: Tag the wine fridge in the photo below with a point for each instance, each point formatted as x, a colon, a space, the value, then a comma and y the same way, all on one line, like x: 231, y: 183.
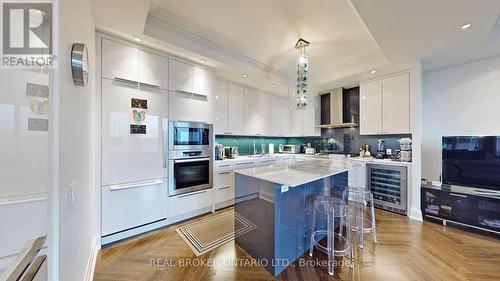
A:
x: 388, y: 184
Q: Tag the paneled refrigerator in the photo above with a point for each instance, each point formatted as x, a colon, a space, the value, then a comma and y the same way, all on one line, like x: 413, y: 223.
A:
x: 134, y: 184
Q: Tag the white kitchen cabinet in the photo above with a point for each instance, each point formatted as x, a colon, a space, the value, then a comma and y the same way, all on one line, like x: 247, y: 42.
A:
x: 236, y: 109
x: 131, y: 157
x: 187, y: 78
x: 133, y: 204
x: 309, y: 121
x: 296, y: 122
x: 264, y: 114
x: 370, y: 107
x: 203, y: 81
x: 153, y: 69
x: 221, y: 107
x: 275, y: 115
x: 396, y: 104
x: 119, y: 61
x: 180, y: 77
x: 223, y: 186
x: 385, y: 105
x: 284, y: 117
x: 251, y: 112
x: 185, y: 205
x: 187, y: 107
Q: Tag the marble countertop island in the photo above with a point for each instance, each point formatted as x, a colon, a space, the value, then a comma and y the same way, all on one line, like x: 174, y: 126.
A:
x: 298, y: 173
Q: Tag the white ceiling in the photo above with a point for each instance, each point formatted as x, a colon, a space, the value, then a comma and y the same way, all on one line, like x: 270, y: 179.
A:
x: 409, y: 30
x: 348, y: 37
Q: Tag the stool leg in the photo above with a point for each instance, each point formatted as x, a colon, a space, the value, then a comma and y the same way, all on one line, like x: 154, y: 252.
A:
x: 361, y: 221
x: 313, y: 228
x: 373, y: 220
x: 349, y: 238
x: 329, y: 239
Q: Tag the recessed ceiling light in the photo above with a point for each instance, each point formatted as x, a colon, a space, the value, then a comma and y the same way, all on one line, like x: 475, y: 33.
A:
x: 465, y: 26
x: 244, y: 75
x: 137, y: 39
x: 373, y: 72
x: 274, y: 85
x: 203, y: 60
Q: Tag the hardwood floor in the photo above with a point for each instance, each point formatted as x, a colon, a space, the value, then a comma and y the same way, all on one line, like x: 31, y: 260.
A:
x: 406, y: 250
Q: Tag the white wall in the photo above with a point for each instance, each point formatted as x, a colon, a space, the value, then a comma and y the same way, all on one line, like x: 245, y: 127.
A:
x: 415, y: 176
x: 460, y: 100
x: 77, y: 231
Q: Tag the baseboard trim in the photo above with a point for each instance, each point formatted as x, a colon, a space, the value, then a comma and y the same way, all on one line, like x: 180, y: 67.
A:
x: 94, y: 249
x: 416, y: 215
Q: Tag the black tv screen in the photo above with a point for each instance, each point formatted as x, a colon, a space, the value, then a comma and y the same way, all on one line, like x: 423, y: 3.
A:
x: 472, y: 161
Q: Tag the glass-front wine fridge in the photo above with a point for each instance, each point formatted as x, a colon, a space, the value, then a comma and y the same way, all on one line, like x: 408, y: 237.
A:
x: 388, y: 185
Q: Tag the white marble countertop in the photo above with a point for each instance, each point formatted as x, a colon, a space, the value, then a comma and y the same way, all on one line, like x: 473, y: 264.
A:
x: 296, y: 174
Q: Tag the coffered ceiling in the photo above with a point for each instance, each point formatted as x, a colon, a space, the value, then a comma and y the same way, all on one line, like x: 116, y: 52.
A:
x: 349, y: 38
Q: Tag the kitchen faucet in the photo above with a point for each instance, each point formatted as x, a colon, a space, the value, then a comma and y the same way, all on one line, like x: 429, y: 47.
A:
x: 254, y: 148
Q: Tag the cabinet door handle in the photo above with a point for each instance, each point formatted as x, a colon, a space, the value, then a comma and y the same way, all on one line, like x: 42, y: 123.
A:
x: 149, y: 85
x: 458, y: 195
x: 225, y: 186
x: 245, y: 163
x: 224, y: 173
x: 122, y: 186
x: 191, y: 194
x: 125, y: 80
x: 228, y: 133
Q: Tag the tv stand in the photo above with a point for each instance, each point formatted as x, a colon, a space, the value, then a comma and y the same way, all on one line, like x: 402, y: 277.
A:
x: 474, y: 208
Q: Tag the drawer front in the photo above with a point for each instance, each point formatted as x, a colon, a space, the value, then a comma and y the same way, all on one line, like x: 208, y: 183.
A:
x: 130, y: 205
x: 223, y: 178
x: 190, y: 202
x: 221, y: 167
x: 244, y: 165
x: 224, y: 193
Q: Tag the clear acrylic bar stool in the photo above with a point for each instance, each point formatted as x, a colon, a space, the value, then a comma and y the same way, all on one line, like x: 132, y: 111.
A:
x: 337, y: 245
x: 358, y: 200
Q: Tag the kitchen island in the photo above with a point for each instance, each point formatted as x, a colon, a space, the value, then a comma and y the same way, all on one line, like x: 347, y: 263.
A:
x: 277, y: 201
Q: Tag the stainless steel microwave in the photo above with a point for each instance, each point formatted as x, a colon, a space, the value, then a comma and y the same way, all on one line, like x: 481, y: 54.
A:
x: 189, y: 135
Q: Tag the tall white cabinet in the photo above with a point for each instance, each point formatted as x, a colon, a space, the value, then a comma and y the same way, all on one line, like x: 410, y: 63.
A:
x: 385, y: 105
x: 251, y: 112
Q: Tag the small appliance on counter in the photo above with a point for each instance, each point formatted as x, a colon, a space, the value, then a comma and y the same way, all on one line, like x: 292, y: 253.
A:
x: 219, y: 151
x: 405, y: 144
x: 271, y: 149
x: 364, y: 151
x: 291, y: 149
x: 231, y: 152
x: 380, y: 149
x: 310, y: 150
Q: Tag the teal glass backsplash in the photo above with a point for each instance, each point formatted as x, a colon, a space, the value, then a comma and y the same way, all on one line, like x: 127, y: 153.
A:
x: 245, y: 144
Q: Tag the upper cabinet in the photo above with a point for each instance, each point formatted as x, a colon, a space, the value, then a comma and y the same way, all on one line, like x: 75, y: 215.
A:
x: 251, y: 112
x: 396, y: 107
x: 275, y: 115
x: 190, y: 79
x: 370, y: 107
x: 284, y: 117
x: 119, y: 61
x: 385, y: 105
x: 236, y: 107
x: 265, y: 115
x: 303, y: 121
x: 153, y: 69
x: 123, y: 62
x: 221, y: 107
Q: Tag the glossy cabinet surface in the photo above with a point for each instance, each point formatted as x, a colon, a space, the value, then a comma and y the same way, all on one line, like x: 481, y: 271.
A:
x: 284, y: 117
x: 264, y: 114
x: 251, y: 112
x: 275, y: 115
x: 385, y: 105
x: 153, y: 69
x: 370, y: 107
x: 203, y: 81
x: 180, y: 77
x: 396, y: 107
x: 236, y: 109
x: 119, y: 61
x: 221, y: 108
x: 132, y: 205
x: 189, y: 203
x: 131, y: 157
x: 187, y: 107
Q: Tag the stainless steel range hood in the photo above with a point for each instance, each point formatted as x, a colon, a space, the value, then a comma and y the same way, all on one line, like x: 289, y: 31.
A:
x: 332, y: 115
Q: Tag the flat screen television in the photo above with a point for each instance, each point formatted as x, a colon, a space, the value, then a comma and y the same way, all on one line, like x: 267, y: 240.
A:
x: 472, y: 161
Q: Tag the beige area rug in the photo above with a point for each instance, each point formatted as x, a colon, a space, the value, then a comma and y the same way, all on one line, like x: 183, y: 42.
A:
x: 214, y: 231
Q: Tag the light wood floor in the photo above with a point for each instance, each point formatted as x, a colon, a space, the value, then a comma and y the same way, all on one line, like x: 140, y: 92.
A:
x: 406, y: 250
